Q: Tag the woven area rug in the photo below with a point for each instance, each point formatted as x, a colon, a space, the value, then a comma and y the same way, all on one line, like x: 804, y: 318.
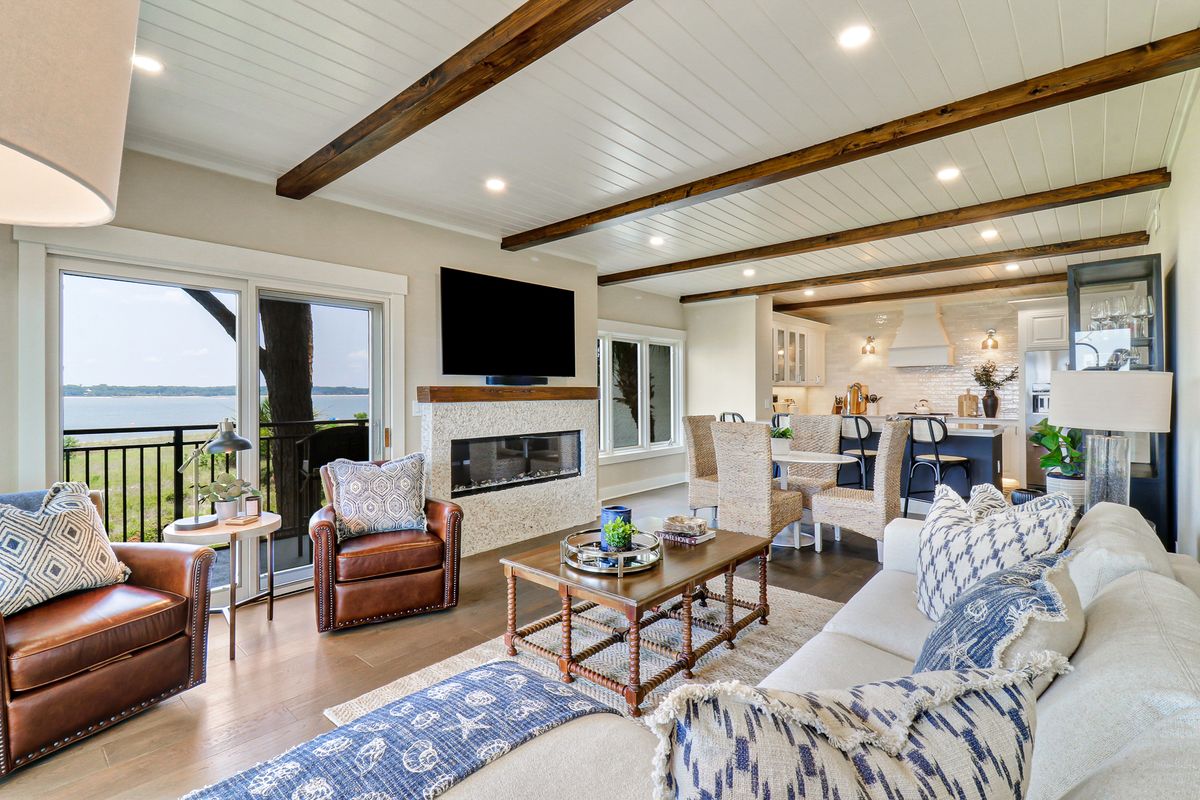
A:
x: 795, y: 618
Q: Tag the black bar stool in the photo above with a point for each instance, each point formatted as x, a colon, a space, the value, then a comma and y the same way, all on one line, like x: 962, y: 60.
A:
x: 859, y: 429
x: 781, y: 420
x: 732, y: 416
x: 931, y: 431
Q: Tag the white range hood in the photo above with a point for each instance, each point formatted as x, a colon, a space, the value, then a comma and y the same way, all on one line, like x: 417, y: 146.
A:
x: 921, y: 340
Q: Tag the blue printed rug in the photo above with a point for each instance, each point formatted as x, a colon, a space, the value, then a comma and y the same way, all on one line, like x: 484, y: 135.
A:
x: 418, y: 746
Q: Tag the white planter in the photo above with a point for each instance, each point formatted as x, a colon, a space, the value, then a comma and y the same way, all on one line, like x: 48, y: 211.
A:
x: 227, y: 509
x: 1073, y: 486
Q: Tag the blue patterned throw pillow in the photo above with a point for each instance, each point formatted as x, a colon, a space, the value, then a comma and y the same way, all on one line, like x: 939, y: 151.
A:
x: 949, y: 734
x: 956, y: 548
x: 1032, y: 606
x: 376, y: 499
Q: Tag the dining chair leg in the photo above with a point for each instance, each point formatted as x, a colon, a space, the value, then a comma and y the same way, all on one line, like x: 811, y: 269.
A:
x: 862, y: 472
x: 837, y: 533
x: 879, y: 550
x: 817, y: 537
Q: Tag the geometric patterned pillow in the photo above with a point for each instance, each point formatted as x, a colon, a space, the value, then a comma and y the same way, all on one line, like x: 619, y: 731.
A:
x: 950, y: 734
x: 59, y: 549
x: 1032, y: 605
x: 986, y: 500
x: 955, y: 549
x: 378, y: 499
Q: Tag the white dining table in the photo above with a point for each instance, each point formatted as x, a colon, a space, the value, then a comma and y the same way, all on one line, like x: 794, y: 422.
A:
x: 783, y: 454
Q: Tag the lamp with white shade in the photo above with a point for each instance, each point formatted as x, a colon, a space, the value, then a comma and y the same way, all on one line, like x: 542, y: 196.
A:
x: 1103, y: 400
x: 65, y: 69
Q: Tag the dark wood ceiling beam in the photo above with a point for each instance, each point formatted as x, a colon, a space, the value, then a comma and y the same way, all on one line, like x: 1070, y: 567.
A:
x: 1092, y: 245
x: 1103, y: 189
x: 933, y: 291
x: 524, y: 36
x: 1136, y: 65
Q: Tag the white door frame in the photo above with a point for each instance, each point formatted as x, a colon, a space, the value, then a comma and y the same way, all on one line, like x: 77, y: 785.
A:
x: 141, y: 255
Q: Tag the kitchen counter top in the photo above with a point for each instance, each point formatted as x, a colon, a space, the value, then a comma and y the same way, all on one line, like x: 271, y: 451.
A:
x: 965, y: 426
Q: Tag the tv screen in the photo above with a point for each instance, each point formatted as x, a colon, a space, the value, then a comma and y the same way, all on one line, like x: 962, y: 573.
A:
x: 497, y: 326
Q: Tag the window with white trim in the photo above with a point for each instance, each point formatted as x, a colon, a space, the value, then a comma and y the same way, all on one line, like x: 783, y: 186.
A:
x: 639, y: 370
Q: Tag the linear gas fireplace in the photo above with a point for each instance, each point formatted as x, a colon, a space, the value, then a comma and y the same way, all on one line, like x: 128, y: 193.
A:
x: 493, y: 463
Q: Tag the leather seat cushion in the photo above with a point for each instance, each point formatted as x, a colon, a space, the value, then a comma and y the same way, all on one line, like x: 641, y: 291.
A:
x: 76, y: 632
x: 377, y: 554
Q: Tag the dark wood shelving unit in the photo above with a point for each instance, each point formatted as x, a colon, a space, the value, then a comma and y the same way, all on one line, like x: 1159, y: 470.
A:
x: 498, y: 394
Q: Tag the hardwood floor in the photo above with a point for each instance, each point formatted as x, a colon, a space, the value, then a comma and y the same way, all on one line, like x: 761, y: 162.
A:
x: 286, y: 674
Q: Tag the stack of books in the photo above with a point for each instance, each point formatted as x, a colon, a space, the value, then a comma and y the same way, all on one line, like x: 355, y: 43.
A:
x: 685, y: 530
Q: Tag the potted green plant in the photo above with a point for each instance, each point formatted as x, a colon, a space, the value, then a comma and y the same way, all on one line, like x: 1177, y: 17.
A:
x: 988, y: 378
x: 1063, y: 460
x: 617, y: 535
x: 225, y: 492
x: 781, y: 433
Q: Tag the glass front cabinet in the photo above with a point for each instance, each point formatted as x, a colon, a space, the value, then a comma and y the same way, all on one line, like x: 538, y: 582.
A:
x: 1116, y: 312
x: 798, y: 351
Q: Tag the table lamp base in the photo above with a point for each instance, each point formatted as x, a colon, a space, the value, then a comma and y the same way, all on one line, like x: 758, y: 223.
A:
x: 1106, y: 471
x: 195, y: 523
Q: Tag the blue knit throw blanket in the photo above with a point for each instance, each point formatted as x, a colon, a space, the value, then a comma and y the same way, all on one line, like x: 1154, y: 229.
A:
x: 419, y: 746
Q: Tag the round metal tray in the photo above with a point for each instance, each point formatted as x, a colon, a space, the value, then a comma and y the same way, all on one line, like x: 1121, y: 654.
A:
x: 582, y: 551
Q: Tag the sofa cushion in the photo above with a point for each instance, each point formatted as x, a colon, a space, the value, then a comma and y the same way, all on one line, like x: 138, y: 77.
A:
x: 1110, y: 541
x: 956, y: 549
x: 1007, y: 616
x: 1160, y: 764
x: 937, y: 734
x: 374, y: 555
x: 884, y: 614
x: 375, y: 498
x: 1186, y: 570
x: 62, y: 547
x: 565, y: 762
x: 1137, y: 666
x: 834, y: 661
x: 79, y: 631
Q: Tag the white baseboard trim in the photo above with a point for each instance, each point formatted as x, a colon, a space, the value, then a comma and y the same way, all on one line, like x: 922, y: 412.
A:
x: 644, y: 485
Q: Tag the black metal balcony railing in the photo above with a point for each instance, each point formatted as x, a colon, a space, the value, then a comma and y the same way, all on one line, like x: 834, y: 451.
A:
x: 144, y: 490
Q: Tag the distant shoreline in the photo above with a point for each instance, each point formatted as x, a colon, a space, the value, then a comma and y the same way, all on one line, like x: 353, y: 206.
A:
x: 104, y: 390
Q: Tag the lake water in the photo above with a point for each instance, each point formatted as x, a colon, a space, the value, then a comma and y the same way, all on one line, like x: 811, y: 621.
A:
x: 122, y: 412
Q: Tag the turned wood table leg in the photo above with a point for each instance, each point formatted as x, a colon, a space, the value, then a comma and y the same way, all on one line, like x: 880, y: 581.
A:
x: 762, y: 586
x: 729, y: 608
x: 511, y: 631
x: 634, y: 687
x: 686, y: 654
x: 564, y: 658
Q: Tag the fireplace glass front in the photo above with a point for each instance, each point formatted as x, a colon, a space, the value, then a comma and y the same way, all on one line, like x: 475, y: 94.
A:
x: 492, y: 463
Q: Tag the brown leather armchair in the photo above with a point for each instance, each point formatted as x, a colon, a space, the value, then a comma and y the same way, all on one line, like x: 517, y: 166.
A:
x: 382, y: 576
x: 76, y: 665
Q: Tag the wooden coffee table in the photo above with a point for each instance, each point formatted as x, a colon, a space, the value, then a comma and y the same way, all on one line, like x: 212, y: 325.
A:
x: 640, y: 597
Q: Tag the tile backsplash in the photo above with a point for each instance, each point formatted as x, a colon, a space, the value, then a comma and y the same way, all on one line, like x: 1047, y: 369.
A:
x: 966, y: 325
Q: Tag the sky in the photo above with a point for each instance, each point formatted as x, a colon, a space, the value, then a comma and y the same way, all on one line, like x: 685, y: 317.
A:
x: 125, y: 333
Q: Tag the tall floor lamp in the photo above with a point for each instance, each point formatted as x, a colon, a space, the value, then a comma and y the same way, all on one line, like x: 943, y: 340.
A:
x: 1134, y: 401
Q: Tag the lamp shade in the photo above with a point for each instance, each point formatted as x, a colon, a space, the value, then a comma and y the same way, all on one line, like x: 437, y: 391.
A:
x: 64, y: 90
x: 227, y: 440
x: 1103, y: 400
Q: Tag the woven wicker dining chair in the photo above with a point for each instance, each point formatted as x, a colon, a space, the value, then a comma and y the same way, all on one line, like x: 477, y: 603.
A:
x: 701, y: 463
x: 818, y: 434
x: 750, y: 500
x: 867, y: 511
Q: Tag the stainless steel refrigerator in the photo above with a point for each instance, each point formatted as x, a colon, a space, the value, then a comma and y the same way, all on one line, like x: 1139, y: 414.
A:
x: 1038, y: 366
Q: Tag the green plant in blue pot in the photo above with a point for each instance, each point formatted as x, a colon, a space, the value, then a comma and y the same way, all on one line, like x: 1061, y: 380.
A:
x: 617, y: 536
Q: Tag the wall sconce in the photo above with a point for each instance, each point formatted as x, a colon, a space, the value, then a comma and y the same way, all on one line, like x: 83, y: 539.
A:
x: 868, y: 349
x: 990, y: 342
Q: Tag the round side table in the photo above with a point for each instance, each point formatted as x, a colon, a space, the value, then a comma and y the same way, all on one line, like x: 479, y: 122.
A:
x: 266, y: 525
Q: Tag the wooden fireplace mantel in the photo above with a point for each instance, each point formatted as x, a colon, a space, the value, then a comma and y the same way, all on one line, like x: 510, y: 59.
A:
x: 497, y: 394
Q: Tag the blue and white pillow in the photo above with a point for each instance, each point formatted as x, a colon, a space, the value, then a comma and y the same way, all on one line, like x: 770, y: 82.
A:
x: 986, y: 500
x: 931, y: 735
x: 955, y: 549
x: 1007, y: 615
x: 370, y: 498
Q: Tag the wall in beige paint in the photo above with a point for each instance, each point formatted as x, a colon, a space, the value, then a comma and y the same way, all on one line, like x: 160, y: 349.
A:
x: 8, y: 359
x: 628, y: 304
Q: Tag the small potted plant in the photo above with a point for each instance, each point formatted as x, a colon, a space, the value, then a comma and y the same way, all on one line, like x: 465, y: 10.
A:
x: 1063, y: 460
x: 987, y: 377
x: 781, y: 433
x: 225, y: 492
x: 617, y: 536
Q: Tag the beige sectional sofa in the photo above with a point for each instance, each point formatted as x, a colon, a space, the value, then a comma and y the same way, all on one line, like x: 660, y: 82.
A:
x: 1125, y: 723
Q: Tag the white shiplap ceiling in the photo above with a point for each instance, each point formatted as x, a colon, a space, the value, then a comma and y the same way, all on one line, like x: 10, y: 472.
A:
x: 666, y: 91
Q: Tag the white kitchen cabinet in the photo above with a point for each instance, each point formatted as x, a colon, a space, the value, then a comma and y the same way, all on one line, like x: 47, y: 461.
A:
x: 1046, y: 329
x: 798, y: 351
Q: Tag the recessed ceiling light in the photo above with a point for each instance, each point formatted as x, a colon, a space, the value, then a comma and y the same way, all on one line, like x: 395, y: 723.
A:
x: 657, y: 241
x: 495, y: 185
x: 989, y: 234
x: 147, y: 64
x: 1012, y: 267
x: 948, y: 173
x: 809, y: 292
x: 748, y: 272
x: 854, y: 36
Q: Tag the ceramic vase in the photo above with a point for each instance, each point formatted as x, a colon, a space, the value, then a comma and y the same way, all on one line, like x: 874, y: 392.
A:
x: 610, y: 513
x: 226, y: 509
x: 991, y: 403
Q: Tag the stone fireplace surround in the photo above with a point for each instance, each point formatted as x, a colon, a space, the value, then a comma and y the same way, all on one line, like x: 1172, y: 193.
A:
x: 520, y: 512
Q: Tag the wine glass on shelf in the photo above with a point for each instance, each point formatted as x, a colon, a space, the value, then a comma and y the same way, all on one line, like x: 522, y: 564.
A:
x: 1120, y: 312
x: 1139, y: 313
x: 1097, y: 318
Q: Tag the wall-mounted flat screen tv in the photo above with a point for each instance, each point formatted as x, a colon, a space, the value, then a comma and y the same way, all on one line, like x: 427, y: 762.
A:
x: 497, y: 326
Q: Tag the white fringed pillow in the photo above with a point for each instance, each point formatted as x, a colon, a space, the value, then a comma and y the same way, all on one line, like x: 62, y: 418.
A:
x: 928, y: 735
x: 956, y: 548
